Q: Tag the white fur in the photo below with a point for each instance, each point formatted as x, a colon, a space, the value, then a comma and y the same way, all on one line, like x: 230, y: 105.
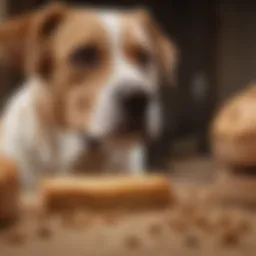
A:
x: 19, y: 139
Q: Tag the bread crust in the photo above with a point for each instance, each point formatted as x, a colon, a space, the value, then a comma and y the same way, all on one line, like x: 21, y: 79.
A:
x: 9, y: 190
x: 233, y: 131
x: 106, y: 193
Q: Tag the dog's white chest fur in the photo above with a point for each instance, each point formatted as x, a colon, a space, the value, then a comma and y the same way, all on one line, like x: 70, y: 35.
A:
x: 25, y: 140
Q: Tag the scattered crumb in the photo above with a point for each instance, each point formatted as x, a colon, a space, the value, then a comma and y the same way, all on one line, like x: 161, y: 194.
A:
x: 244, y: 226
x: 133, y: 242
x: 191, y: 241
x: 188, y: 210
x: 230, y: 237
x: 225, y: 221
x: 16, y: 237
x: 44, y: 232
x: 155, y: 229
x: 178, y: 224
x: 202, y: 222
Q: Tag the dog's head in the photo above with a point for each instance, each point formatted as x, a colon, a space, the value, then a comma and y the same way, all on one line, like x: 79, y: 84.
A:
x: 101, y: 68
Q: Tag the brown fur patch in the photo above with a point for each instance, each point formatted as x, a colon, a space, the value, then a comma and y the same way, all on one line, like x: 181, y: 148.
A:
x: 73, y: 90
x: 138, y: 46
x: 165, y: 50
x: 12, y: 32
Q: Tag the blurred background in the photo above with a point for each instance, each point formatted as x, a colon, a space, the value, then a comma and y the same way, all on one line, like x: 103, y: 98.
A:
x: 216, y: 41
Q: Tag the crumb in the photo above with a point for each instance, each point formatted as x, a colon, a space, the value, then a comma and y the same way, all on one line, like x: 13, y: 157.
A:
x: 225, y: 221
x: 178, y: 224
x: 191, y: 241
x: 230, y: 237
x: 133, y: 242
x: 244, y: 226
x: 44, y: 232
x: 188, y: 210
x: 203, y: 223
x: 155, y: 229
x: 15, y: 237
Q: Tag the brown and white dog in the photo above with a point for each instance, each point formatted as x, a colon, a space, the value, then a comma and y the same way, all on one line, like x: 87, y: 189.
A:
x: 92, y: 75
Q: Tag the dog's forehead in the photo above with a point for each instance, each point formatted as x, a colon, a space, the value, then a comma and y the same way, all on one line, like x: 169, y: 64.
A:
x: 122, y: 24
x: 111, y: 27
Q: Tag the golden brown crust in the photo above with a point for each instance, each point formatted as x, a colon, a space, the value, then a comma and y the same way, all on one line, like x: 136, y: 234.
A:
x: 235, y: 153
x: 9, y: 190
x: 237, y: 119
x: 106, y: 193
x: 234, y: 130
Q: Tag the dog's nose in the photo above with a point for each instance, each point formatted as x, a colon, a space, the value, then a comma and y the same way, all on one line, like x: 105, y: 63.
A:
x: 91, y: 142
x: 134, y: 102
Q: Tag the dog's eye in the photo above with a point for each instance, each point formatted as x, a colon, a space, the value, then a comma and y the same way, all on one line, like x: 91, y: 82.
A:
x: 143, y: 57
x: 86, y: 56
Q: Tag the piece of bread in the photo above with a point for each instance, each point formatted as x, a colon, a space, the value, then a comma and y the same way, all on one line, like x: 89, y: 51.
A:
x: 9, y: 190
x: 234, y: 130
x: 104, y: 193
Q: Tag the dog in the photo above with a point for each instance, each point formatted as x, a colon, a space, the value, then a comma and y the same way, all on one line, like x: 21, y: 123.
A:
x: 92, y: 81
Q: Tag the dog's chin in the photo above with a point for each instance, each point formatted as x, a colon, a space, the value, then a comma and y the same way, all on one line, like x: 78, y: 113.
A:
x: 121, y: 138
x: 124, y: 140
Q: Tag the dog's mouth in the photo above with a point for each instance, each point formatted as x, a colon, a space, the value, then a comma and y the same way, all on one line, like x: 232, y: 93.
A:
x: 133, y: 125
x: 124, y: 135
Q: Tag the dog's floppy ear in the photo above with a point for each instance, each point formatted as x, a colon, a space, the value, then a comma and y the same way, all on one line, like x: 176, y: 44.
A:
x: 166, y: 50
x: 13, y: 37
x: 22, y: 38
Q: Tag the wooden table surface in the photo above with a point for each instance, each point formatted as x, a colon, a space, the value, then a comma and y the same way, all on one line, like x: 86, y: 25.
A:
x: 196, y: 225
